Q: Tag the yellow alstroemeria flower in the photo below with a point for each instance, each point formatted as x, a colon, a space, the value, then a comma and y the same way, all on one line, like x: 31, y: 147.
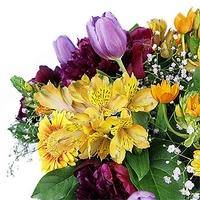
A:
x: 184, y: 24
x: 54, y: 98
x: 196, y: 162
x: 125, y: 136
x: 158, y: 26
x: 193, y: 106
x: 57, y: 141
x: 164, y: 92
x: 142, y: 101
x: 94, y: 139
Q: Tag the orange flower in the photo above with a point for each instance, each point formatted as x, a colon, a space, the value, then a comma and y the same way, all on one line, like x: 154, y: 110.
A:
x: 184, y: 24
x: 164, y: 92
x: 193, y: 106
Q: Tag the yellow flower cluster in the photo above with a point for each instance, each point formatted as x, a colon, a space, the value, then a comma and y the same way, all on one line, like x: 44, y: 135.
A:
x: 91, y: 118
x: 196, y: 162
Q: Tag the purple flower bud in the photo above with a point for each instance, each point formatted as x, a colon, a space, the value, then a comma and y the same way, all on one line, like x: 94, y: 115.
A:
x: 106, y: 36
x: 142, y: 195
x: 63, y: 47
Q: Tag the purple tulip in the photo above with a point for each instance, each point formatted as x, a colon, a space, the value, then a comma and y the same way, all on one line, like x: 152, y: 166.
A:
x: 107, y: 37
x: 63, y: 47
x: 142, y: 195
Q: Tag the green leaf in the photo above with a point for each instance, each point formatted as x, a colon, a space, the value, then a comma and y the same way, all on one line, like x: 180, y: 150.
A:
x: 21, y: 85
x: 154, y: 180
x: 196, y: 80
x: 133, y: 27
x: 160, y: 121
x: 59, y: 184
x: 193, y: 43
x: 141, y: 118
x: 139, y: 163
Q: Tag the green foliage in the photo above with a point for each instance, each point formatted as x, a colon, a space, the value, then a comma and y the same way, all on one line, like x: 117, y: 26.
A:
x: 141, y: 118
x: 195, y: 86
x: 133, y: 27
x: 59, y: 184
x: 153, y: 181
x: 160, y: 120
x: 193, y: 44
x: 21, y: 85
x: 139, y: 163
x: 25, y: 132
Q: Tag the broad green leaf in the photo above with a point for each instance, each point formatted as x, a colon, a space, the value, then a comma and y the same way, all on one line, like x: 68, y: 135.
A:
x: 154, y: 180
x: 21, y: 85
x: 193, y: 43
x: 133, y: 27
x: 196, y: 80
x: 160, y: 121
x: 59, y: 184
x: 141, y: 118
x: 139, y: 163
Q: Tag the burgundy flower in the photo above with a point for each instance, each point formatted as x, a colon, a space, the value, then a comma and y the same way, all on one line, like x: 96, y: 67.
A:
x: 106, y: 180
x: 46, y: 74
x: 22, y: 110
x: 85, y: 61
x: 141, y: 44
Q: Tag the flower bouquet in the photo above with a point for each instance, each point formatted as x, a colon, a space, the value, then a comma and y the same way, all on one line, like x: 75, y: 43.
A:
x: 119, y: 118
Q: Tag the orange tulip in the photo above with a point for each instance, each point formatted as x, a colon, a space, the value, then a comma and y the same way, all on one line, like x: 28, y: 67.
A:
x: 164, y: 92
x: 184, y: 24
x: 193, y: 106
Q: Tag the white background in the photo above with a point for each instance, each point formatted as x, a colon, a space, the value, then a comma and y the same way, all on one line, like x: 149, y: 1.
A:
x: 27, y: 29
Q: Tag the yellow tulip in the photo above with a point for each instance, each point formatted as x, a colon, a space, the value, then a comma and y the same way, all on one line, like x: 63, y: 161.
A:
x: 193, y: 106
x: 164, y: 92
x: 184, y: 24
x: 196, y: 162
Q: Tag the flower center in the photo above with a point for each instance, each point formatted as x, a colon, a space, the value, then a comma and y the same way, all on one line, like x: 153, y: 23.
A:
x: 56, y: 142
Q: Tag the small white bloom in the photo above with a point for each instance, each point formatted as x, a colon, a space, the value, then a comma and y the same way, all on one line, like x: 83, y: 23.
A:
x: 184, y: 62
x: 185, y: 192
x: 171, y: 69
x: 171, y: 148
x: 173, y: 64
x: 189, y: 185
x: 176, y: 173
x: 154, y: 46
x: 159, y: 48
x: 190, y: 169
x: 178, y: 162
x: 183, y: 53
x: 189, y: 78
x: 154, y: 66
x: 181, y: 87
x: 155, y: 71
x: 149, y: 57
x: 157, y: 32
x: 167, y: 162
x: 173, y: 48
x: 196, y: 196
x: 195, y: 57
x: 180, y: 66
x: 179, y: 127
x: 156, y: 130
x: 167, y: 179
x: 189, y: 54
x: 177, y: 151
x: 175, y: 36
x: 190, y: 130
x: 178, y: 60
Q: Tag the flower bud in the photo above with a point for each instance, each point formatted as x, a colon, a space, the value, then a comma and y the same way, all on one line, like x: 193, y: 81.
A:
x: 107, y: 37
x: 158, y: 26
x: 63, y: 47
x: 196, y: 20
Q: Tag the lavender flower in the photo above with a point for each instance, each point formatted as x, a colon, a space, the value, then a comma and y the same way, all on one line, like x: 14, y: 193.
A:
x: 142, y: 195
x: 63, y: 47
x: 107, y: 37
x: 103, y: 181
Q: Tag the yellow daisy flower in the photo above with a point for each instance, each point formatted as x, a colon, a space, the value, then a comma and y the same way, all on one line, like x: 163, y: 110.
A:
x: 196, y: 162
x: 57, y: 141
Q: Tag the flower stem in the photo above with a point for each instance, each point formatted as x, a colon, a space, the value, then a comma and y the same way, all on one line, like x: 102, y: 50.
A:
x: 169, y: 127
x: 183, y: 42
x: 121, y: 65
